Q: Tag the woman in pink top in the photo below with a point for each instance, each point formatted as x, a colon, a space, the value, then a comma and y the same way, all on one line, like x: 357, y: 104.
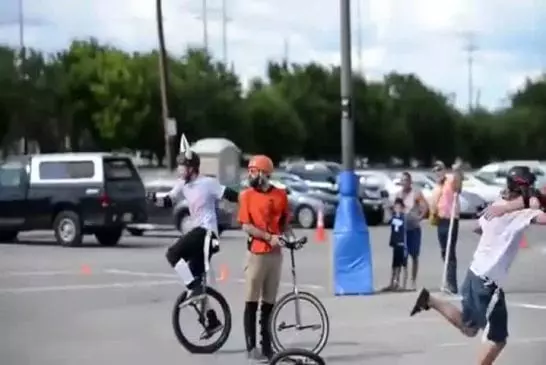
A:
x: 444, y: 197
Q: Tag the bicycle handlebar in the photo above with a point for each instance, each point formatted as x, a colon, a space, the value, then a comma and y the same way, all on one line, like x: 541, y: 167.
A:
x: 293, y: 243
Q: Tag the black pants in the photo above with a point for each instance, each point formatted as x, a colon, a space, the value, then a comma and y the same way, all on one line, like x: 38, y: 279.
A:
x: 190, y: 248
x: 443, y: 236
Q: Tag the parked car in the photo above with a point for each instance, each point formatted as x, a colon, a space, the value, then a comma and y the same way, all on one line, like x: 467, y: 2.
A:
x: 305, y: 203
x: 470, y: 204
x: 496, y: 172
x: 177, y: 217
x: 73, y: 194
x: 323, y: 176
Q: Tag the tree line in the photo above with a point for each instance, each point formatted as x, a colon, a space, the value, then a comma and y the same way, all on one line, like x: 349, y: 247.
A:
x: 93, y: 96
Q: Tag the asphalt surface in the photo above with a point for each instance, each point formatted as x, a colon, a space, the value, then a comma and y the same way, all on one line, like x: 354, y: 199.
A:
x: 97, y: 305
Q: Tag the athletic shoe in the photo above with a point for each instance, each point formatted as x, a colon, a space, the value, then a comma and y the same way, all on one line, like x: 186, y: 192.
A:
x: 421, y: 304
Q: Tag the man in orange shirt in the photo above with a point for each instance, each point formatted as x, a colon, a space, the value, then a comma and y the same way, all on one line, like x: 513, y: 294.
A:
x: 264, y: 215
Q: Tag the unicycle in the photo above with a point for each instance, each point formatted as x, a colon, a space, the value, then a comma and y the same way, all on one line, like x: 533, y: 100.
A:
x: 297, y: 357
x: 201, y: 308
x: 294, y: 301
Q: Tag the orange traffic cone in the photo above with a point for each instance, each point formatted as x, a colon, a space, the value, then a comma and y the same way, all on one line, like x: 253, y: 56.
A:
x: 320, y: 234
x: 224, y: 272
x: 85, y: 270
x: 523, y: 243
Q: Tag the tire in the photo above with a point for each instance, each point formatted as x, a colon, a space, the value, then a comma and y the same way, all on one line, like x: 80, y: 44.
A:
x: 375, y: 218
x: 313, y: 216
x: 213, y: 347
x: 61, y: 226
x: 8, y: 236
x: 280, y: 357
x: 135, y: 232
x: 316, y: 303
x: 109, y: 236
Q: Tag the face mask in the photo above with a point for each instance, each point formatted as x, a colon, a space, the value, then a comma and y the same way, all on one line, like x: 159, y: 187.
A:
x: 257, y: 181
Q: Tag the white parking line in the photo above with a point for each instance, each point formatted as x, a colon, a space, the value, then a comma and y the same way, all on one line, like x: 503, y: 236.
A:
x: 166, y: 275
x: 38, y: 273
x: 40, y: 289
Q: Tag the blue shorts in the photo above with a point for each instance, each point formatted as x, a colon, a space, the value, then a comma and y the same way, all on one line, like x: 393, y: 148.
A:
x: 413, y: 242
x: 484, y: 307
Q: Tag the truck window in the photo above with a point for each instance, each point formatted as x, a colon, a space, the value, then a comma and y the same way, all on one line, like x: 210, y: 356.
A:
x: 10, y: 175
x: 119, y: 169
x: 66, y: 170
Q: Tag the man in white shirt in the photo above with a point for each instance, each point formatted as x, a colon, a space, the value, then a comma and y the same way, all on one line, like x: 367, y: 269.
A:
x: 187, y: 254
x: 483, y: 301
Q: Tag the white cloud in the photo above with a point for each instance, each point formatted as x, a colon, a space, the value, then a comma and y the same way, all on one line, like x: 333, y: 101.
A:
x: 421, y: 36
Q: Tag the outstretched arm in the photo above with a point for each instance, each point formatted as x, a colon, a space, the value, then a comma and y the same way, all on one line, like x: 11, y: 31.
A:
x: 230, y: 195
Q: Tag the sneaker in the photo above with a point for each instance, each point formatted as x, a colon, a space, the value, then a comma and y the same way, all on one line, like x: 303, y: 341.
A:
x: 212, y: 328
x: 255, y: 355
x: 421, y: 303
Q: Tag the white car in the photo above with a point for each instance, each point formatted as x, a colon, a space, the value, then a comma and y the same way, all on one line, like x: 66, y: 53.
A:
x: 470, y: 203
x: 496, y: 172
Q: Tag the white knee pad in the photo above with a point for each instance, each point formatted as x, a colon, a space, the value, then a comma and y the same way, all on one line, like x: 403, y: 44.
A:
x: 183, y: 270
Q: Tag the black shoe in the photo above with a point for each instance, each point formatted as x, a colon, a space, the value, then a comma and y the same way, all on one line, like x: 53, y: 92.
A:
x: 421, y: 303
x: 212, y: 329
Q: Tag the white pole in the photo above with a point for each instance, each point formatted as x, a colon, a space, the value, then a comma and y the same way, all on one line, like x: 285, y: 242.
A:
x: 449, y: 240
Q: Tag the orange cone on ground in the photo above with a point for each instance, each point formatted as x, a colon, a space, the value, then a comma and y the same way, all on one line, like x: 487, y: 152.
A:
x: 85, y: 269
x: 320, y: 234
x: 523, y: 243
x: 224, y: 273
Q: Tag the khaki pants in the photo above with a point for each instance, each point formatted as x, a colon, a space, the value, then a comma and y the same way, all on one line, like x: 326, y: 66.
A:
x: 262, y: 276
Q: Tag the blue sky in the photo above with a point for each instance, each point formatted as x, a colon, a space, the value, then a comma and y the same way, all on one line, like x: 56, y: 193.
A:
x: 426, y: 37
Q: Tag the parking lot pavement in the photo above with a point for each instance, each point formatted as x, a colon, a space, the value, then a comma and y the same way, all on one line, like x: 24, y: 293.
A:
x: 89, y: 305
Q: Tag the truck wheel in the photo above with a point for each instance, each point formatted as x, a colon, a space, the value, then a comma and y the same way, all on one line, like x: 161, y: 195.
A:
x: 109, y: 237
x: 8, y: 236
x: 67, y: 228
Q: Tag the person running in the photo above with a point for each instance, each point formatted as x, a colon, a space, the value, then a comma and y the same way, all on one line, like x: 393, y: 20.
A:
x: 483, y: 300
x: 416, y: 208
x: 186, y: 255
x: 264, y: 215
x: 443, y: 199
x: 397, y: 242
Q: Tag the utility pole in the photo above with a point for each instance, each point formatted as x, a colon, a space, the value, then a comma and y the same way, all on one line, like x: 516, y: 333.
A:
x: 470, y: 48
x: 224, y: 32
x: 163, y: 83
x: 205, y: 25
x: 286, y: 50
x: 24, y: 141
x: 359, y: 35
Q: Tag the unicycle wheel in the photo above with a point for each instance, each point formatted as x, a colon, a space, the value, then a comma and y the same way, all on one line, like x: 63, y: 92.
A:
x: 287, y: 303
x: 297, y: 357
x: 196, y: 348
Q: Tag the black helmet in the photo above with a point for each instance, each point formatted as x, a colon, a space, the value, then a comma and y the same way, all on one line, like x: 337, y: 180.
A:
x: 192, y: 160
x: 520, y: 177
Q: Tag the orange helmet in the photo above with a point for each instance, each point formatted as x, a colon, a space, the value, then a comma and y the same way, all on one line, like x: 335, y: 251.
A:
x: 261, y: 163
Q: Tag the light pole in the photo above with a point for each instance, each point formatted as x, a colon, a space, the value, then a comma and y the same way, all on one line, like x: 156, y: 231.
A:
x: 163, y: 84
x: 352, y: 260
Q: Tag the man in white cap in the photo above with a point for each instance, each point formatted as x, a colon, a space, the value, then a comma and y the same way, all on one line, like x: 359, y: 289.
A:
x: 186, y: 255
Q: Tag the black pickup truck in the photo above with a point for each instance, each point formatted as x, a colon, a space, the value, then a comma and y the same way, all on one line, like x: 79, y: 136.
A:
x: 73, y: 194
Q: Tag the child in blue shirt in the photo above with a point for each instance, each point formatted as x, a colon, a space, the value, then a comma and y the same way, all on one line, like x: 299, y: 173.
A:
x: 399, y: 249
